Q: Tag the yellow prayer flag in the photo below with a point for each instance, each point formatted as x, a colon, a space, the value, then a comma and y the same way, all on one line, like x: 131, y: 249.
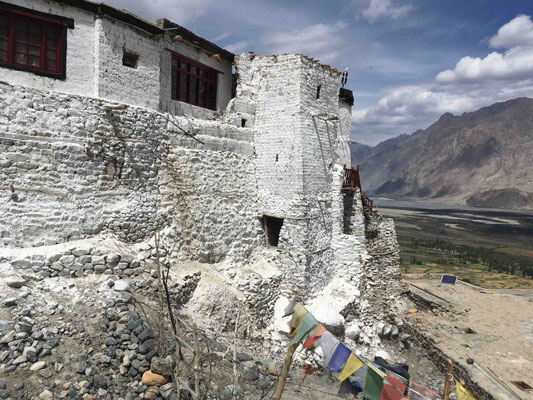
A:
x: 353, y: 363
x: 297, y: 316
x: 462, y: 393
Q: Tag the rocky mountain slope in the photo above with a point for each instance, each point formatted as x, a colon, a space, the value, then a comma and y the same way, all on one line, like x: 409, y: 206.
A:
x: 483, y: 158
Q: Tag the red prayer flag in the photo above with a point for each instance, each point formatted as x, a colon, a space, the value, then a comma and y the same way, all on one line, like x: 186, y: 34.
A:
x: 392, y: 389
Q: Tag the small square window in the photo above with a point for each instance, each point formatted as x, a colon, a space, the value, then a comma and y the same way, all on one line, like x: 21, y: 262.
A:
x: 272, y: 228
x: 129, y: 59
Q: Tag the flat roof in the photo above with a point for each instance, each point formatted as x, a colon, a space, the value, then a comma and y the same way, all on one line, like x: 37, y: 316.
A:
x: 155, y: 29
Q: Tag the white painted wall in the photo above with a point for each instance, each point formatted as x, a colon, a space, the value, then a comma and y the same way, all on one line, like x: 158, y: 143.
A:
x: 114, y: 81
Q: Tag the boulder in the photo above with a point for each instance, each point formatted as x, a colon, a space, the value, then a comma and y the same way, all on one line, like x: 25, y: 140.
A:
x: 274, y: 369
x: 353, y: 332
x: 161, y: 366
x: 151, y: 393
x: 10, y: 302
x: 37, y: 366
x: 46, y: 395
x: 8, y: 337
x: 15, y: 281
x: 151, y: 379
x: 46, y: 373
x: 121, y: 286
x: 165, y: 391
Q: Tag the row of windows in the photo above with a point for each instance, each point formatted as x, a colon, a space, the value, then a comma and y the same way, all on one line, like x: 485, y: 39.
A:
x: 33, y: 43
x: 193, y: 83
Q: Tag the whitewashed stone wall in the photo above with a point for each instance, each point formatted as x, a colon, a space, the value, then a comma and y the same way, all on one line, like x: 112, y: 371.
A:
x: 80, y: 168
x: 75, y: 167
x: 135, y: 86
x: 301, y: 141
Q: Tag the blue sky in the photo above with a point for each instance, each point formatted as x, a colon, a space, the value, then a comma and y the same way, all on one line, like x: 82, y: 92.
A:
x: 409, y: 60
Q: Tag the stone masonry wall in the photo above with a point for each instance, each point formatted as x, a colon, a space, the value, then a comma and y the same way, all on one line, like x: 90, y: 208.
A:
x: 75, y: 167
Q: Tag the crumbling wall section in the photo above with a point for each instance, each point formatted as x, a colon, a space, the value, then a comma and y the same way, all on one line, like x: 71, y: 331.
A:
x: 269, y: 87
x: 73, y: 168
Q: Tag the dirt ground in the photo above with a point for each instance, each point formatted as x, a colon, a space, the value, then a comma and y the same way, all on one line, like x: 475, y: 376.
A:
x: 494, y: 327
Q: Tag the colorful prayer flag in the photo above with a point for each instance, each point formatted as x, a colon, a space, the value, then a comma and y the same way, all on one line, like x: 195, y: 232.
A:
x: 307, y: 325
x: 298, y: 314
x: 419, y: 392
x: 462, y: 393
x: 373, y: 383
x: 353, y: 363
x: 393, y: 389
x: 315, y: 335
x: 339, y: 357
x: 328, y: 343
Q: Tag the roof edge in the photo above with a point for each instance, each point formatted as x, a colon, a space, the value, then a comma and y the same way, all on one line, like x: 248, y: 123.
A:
x: 169, y: 26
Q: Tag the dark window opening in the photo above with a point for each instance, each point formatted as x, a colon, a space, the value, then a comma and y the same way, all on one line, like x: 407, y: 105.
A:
x: 243, y: 123
x: 277, y: 157
x: 318, y: 91
x: 193, y: 82
x: 349, y: 212
x: 32, y: 42
x: 129, y: 59
x: 272, y: 226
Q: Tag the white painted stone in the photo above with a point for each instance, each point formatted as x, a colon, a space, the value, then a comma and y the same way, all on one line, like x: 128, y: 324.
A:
x: 37, y: 366
x: 121, y: 286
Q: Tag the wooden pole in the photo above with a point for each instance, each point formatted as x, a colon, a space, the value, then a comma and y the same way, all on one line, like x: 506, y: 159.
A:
x: 157, y: 240
x: 177, y: 372
x: 285, y: 372
x: 196, y: 364
x: 449, y: 379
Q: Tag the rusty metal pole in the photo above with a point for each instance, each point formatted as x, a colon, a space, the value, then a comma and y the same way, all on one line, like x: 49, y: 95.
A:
x: 285, y: 372
x: 449, y: 379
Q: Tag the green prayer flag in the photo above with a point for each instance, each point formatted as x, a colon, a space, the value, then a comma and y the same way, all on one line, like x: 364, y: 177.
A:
x: 373, y: 383
x: 306, y: 326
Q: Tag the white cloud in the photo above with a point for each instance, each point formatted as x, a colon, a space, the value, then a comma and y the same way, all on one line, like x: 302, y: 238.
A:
x: 239, y: 47
x: 321, y: 41
x: 408, y: 105
x: 517, y: 32
x: 381, y: 9
x: 179, y: 11
x: 408, y: 108
x: 514, y: 64
x: 222, y: 36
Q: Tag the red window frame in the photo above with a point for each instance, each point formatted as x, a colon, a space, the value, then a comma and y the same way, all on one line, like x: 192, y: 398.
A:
x: 31, y: 42
x: 193, y: 82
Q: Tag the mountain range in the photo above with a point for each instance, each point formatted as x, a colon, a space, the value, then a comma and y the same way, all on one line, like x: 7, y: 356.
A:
x: 482, y: 158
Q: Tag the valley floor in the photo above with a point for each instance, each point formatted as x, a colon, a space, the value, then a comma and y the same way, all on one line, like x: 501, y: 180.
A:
x: 495, y: 328
x: 492, y: 249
